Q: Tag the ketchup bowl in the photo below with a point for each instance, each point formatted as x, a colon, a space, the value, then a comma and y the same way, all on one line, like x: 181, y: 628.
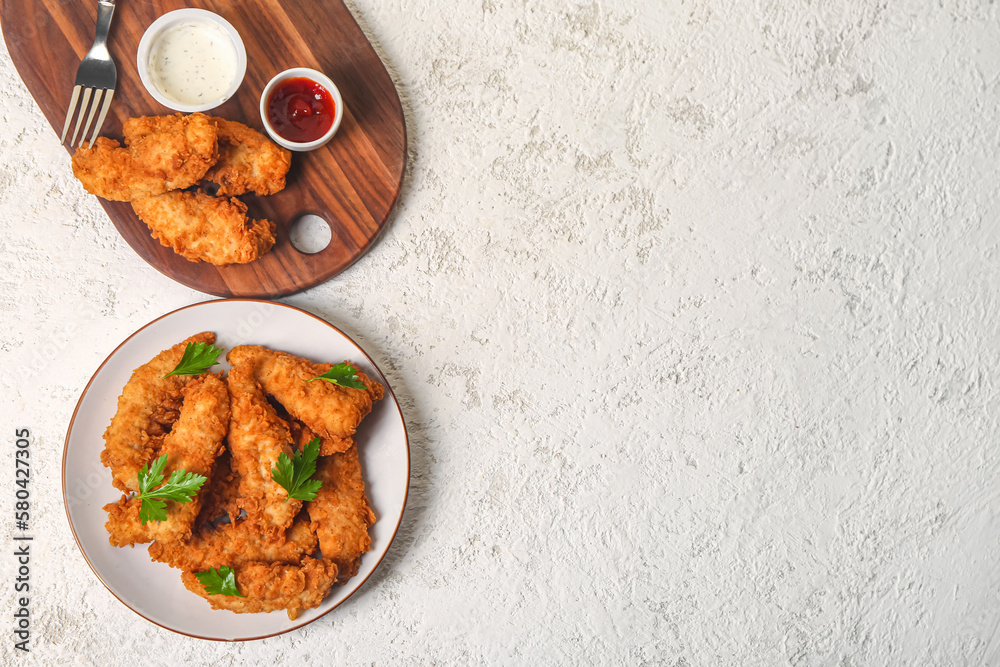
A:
x: 301, y: 109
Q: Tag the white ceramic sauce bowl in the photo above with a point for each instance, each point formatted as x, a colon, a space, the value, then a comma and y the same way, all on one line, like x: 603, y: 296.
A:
x: 150, y: 55
x: 322, y: 80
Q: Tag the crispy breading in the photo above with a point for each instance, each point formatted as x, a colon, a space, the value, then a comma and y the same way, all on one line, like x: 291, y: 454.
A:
x: 192, y: 445
x: 248, y: 161
x: 340, y: 514
x: 303, y: 435
x: 200, y: 227
x: 230, y: 432
x: 162, y: 153
x: 107, y: 170
x: 257, y: 437
x: 219, y: 498
x: 272, y: 586
x: 135, y: 434
x: 333, y: 412
x: 234, y: 544
x: 164, y: 416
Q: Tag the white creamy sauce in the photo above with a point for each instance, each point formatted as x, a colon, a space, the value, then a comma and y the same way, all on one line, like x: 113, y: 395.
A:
x: 193, y: 63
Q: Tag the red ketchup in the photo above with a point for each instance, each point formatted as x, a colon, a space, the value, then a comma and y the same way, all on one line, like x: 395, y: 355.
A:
x: 300, y: 110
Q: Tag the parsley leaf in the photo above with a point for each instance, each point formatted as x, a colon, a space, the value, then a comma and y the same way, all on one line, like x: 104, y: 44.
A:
x: 342, y: 374
x: 293, y: 473
x: 180, y: 488
x: 219, y: 582
x: 197, y: 359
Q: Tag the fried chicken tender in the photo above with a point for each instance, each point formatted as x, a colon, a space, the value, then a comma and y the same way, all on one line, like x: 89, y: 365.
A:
x: 233, y: 433
x: 302, y: 435
x: 200, y: 227
x: 135, y: 434
x: 340, y: 514
x: 162, y: 153
x: 257, y: 437
x: 219, y: 498
x: 192, y: 446
x: 234, y: 541
x: 234, y: 544
x: 268, y: 587
x: 331, y: 411
x: 164, y: 416
x: 248, y: 161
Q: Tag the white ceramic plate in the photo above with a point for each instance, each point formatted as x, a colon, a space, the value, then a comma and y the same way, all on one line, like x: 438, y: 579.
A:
x: 154, y: 590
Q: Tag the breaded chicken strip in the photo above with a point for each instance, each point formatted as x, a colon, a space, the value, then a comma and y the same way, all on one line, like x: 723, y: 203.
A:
x: 163, y: 153
x: 331, y: 411
x: 248, y: 161
x: 257, y: 437
x: 340, y: 513
x: 233, y: 541
x: 235, y: 544
x: 142, y: 128
x: 135, y: 434
x: 200, y: 227
x: 164, y: 416
x: 192, y: 446
x: 302, y: 435
x: 219, y: 498
x: 269, y: 587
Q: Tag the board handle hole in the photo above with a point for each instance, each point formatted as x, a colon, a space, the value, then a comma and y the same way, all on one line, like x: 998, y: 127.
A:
x: 310, y: 234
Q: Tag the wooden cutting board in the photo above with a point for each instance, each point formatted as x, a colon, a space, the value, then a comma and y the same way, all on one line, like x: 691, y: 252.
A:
x: 353, y: 182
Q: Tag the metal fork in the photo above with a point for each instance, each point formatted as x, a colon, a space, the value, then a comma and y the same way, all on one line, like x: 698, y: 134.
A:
x: 97, y: 73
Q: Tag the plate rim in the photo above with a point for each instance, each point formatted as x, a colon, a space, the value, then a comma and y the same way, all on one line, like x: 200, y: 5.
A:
x: 83, y: 393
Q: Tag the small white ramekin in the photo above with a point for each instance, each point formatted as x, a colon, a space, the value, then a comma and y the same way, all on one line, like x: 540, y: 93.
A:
x: 174, y: 18
x: 321, y: 79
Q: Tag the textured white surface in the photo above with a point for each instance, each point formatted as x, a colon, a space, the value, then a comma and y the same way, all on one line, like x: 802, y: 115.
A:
x: 691, y: 309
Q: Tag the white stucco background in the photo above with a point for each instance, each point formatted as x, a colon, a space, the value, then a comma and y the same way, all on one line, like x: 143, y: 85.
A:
x: 691, y: 307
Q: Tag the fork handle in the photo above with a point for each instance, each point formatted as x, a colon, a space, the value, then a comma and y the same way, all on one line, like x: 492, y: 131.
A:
x: 105, y: 10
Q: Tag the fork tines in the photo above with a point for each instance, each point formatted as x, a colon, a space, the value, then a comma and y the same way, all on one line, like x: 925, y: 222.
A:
x: 97, y: 77
x: 87, y: 93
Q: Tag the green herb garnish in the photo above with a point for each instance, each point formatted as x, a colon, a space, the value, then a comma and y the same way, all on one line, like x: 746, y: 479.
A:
x: 342, y: 374
x: 198, y: 358
x: 219, y: 582
x: 293, y: 473
x: 181, y: 488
